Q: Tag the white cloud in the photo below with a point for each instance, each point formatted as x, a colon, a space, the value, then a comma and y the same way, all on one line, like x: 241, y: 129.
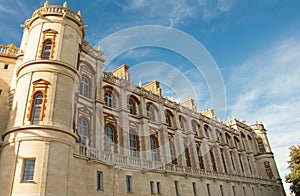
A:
x: 271, y: 93
x: 177, y: 12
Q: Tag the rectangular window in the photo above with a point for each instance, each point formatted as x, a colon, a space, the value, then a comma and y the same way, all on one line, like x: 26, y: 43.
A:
x: 208, y: 190
x: 244, y: 190
x: 28, y: 171
x: 158, y: 187
x: 176, y: 188
x: 233, y: 190
x: 221, y: 190
x: 194, y: 189
x: 128, y: 184
x: 99, y: 180
x: 253, y: 192
x: 6, y: 66
x: 152, y: 187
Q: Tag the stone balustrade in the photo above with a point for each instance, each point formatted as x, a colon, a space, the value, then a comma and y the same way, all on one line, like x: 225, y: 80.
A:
x: 144, y: 165
x: 59, y: 10
x: 9, y: 50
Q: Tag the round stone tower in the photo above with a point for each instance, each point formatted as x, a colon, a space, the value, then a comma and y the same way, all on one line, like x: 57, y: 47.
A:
x: 39, y: 142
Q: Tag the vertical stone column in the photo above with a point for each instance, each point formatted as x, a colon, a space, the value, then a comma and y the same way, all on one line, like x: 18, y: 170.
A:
x: 179, y: 146
x: 227, y: 157
x: 237, y: 161
x: 218, y: 158
x: 164, y: 144
x: 245, y: 163
x: 145, y: 140
x: 123, y: 124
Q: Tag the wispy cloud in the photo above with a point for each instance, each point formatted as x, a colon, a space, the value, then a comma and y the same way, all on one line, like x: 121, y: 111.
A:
x: 270, y: 93
x: 177, y: 12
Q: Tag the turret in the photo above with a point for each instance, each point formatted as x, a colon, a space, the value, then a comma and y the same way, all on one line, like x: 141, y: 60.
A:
x: 264, y: 157
x: 40, y: 139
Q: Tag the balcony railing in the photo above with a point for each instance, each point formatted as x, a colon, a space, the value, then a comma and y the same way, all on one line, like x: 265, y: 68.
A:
x: 59, y: 10
x: 9, y: 50
x: 144, y: 165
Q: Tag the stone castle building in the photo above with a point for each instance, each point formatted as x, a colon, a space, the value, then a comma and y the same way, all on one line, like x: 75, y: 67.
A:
x: 68, y: 128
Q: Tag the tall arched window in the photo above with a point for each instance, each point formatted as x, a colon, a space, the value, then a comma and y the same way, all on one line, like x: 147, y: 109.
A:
x: 153, y: 144
x: 200, y: 158
x: 109, y: 138
x: 150, y: 114
x: 268, y: 169
x: 213, y: 161
x: 37, y: 108
x: 84, y: 86
x: 195, y: 128
x: 47, y: 49
x: 206, y: 131
x: 82, y: 130
x: 187, y: 155
x: 261, y: 146
x: 172, y: 152
x: 228, y: 138
x: 108, y: 99
x: 223, y: 160
x: 168, y: 119
x: 130, y: 107
x: 182, y: 122
x: 133, y: 142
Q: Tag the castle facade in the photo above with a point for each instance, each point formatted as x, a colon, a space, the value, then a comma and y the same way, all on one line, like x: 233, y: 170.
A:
x: 68, y: 128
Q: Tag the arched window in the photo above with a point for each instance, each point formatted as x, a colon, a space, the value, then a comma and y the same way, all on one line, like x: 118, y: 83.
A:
x: 47, y: 49
x: 195, y: 128
x: 187, y: 155
x: 236, y: 142
x: 223, y: 160
x: 82, y: 130
x: 228, y: 138
x: 268, y: 169
x: 84, y: 86
x: 200, y: 157
x: 168, y: 119
x: 154, y: 146
x: 150, y: 114
x: 182, y: 122
x: 133, y: 143
x: 261, y: 146
x: 243, y: 140
x: 218, y: 135
x: 37, y: 108
x: 213, y: 161
x: 206, y: 131
x: 108, y: 99
x: 130, y: 107
x: 173, y: 152
x: 109, y: 138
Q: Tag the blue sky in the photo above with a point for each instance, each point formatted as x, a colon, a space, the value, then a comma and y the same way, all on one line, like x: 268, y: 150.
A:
x: 255, y: 46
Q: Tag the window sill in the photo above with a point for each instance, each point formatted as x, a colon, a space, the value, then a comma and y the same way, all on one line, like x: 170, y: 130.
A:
x: 28, y: 181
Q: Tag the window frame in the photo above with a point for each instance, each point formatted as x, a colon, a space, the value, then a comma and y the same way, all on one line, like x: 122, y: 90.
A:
x: 47, y: 49
x: 110, y: 145
x: 83, y: 139
x: 108, y: 99
x: 128, y: 184
x: 154, y: 151
x: 30, y: 170
x: 36, y: 118
x: 99, y: 181
x: 85, y: 86
x: 134, y: 150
